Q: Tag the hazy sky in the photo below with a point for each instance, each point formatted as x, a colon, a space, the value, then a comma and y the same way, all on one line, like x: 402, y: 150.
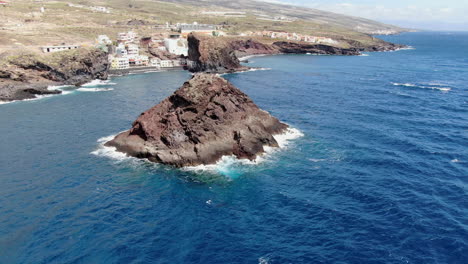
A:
x: 423, y: 14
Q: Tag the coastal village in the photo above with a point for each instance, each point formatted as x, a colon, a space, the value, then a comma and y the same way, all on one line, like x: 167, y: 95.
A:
x: 168, y: 49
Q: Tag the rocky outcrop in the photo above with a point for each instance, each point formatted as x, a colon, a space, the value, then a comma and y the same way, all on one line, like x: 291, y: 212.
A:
x: 378, y: 46
x: 205, y: 119
x: 209, y: 54
x: 248, y: 47
x: 303, y: 48
x: 25, y: 76
x: 221, y: 54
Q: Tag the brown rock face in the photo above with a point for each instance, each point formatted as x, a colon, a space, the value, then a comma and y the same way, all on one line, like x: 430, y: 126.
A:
x: 25, y: 76
x: 214, y: 55
x: 302, y: 48
x: 205, y: 119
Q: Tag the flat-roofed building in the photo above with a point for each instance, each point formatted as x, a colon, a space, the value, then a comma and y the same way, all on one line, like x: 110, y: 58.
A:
x: 186, y: 29
x: 49, y: 49
x: 120, y: 63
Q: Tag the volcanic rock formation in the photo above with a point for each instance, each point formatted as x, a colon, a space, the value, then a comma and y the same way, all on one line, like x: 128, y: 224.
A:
x: 205, y: 119
x: 26, y: 76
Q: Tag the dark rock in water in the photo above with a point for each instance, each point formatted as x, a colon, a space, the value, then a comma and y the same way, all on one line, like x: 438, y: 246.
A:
x: 205, y: 119
x: 303, y: 48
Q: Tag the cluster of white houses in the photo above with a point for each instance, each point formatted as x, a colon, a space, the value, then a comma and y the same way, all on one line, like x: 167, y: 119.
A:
x: 127, y: 54
x: 292, y: 36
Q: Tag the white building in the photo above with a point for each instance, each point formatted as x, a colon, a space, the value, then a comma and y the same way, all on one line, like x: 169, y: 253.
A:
x: 191, y: 64
x: 141, y: 60
x: 176, y: 63
x: 177, y: 46
x: 127, y: 37
x: 133, y: 49
x: 121, y: 50
x: 185, y: 29
x: 101, y: 9
x: 166, y: 64
x: 104, y: 40
x: 155, y: 62
x: 48, y: 49
x: 120, y: 63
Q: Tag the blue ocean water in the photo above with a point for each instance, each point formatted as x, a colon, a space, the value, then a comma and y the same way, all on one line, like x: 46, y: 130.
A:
x: 380, y: 174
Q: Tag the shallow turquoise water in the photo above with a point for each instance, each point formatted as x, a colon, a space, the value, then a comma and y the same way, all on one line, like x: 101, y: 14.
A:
x: 380, y: 174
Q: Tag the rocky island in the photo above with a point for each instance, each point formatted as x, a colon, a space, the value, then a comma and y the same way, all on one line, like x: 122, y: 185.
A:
x: 205, y: 119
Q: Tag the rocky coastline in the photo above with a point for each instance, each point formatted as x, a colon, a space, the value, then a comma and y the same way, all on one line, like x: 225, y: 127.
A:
x: 221, y: 55
x: 28, y: 75
x: 204, y: 120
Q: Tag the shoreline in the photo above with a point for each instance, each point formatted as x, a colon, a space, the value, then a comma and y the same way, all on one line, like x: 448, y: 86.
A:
x: 31, y: 92
x: 144, y: 69
x: 221, y: 166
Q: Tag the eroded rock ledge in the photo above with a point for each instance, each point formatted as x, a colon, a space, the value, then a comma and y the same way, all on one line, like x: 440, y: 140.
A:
x: 205, y: 119
x: 221, y: 54
x: 28, y: 75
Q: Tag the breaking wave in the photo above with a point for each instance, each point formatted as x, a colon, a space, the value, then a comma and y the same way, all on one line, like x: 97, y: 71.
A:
x: 433, y: 86
x: 228, y: 166
x: 94, y: 89
x: 98, y: 83
x: 232, y: 167
x: 245, y: 58
x: 110, y: 152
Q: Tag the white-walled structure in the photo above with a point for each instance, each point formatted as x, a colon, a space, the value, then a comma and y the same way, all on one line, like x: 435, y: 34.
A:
x: 48, y: 49
x: 177, y: 46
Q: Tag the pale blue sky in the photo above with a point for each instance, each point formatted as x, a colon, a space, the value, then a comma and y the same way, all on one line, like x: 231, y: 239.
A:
x: 424, y: 14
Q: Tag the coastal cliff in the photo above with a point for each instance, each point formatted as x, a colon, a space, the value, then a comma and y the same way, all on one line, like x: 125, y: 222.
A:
x: 27, y: 75
x: 210, y: 54
x: 221, y: 54
x: 319, y: 49
x: 205, y: 119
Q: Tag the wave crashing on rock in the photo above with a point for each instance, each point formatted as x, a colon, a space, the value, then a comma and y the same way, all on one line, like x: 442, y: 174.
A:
x: 204, y: 120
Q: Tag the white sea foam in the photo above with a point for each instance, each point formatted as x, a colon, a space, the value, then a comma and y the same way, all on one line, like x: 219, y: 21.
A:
x: 407, y: 48
x: 251, y: 56
x: 440, y: 88
x: 223, y: 166
x: 226, y: 163
x: 317, y: 160
x: 110, y: 152
x: 38, y: 97
x: 258, y: 69
x: 94, y: 89
x: 42, y: 96
x: 364, y: 55
x: 455, y: 161
x: 249, y: 70
x: 401, y: 49
x: 98, y: 83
